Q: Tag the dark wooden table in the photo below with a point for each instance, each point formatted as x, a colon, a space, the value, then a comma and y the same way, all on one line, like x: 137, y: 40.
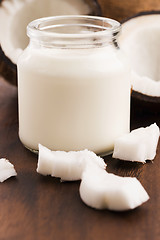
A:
x: 36, y: 207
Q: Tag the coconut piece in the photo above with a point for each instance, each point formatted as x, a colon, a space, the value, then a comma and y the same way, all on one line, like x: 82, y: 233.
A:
x: 6, y: 170
x: 68, y: 166
x: 139, y: 145
x: 139, y: 40
x: 17, y: 14
x: 102, y: 190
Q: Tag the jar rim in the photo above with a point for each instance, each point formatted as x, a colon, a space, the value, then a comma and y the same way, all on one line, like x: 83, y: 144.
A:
x: 48, y: 29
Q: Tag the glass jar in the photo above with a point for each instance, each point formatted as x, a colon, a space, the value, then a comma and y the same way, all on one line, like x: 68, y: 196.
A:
x: 73, y: 85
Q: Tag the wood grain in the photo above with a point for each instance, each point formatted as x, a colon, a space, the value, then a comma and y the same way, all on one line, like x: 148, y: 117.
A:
x: 121, y: 10
x: 36, y: 207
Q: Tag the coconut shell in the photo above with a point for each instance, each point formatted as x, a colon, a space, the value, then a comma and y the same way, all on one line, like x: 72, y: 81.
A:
x: 141, y: 103
x: 143, y: 13
x: 9, y: 70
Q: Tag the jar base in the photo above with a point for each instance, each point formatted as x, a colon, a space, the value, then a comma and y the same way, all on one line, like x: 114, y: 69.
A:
x: 100, y: 154
x: 31, y: 150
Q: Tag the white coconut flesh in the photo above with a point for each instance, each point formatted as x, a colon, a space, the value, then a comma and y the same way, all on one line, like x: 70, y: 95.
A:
x: 69, y: 166
x: 140, y: 40
x: 98, y: 189
x: 16, y: 14
x: 139, y: 145
x: 6, y: 170
x: 102, y: 190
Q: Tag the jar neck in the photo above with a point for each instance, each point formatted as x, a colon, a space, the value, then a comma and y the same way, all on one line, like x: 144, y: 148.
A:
x: 73, y: 32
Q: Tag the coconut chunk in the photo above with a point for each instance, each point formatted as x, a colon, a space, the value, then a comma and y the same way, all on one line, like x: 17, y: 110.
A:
x: 102, y: 190
x: 6, y: 170
x: 139, y: 145
x: 68, y: 166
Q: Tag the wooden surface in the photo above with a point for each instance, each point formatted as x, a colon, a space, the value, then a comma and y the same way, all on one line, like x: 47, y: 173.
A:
x: 121, y: 10
x: 36, y: 207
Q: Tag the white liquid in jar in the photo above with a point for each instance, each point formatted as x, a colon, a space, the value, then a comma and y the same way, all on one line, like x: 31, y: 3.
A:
x: 73, y: 99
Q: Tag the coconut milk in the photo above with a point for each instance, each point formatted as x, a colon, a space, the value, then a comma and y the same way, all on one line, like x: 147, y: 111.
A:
x: 72, y: 99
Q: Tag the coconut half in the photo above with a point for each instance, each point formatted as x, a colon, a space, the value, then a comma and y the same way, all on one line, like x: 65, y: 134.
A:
x: 15, y: 16
x: 140, y: 40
